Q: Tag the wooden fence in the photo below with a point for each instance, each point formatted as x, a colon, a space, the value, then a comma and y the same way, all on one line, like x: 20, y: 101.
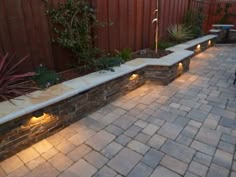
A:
x: 24, y: 28
x: 212, y: 14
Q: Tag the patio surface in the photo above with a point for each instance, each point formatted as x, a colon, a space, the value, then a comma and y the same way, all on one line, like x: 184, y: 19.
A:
x: 187, y: 128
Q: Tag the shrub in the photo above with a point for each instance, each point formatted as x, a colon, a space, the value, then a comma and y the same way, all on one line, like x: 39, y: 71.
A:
x: 194, y: 19
x: 45, y: 78
x: 180, y: 32
x: 165, y: 44
x: 225, y: 12
x: 10, y: 82
x: 108, y: 62
x: 73, y: 22
x: 124, y: 54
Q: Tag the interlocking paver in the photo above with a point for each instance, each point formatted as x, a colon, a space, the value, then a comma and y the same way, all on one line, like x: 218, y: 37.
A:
x: 163, y: 172
x: 35, y: 163
x: 123, y: 140
x: 226, y: 146
x: 100, y: 140
x: 207, y: 149
x: 49, y: 154
x: 217, y: 171
x: 150, y: 129
x: 125, y: 161
x: 223, y: 159
x: 60, y: 162
x: 21, y: 171
x: 178, y: 151
x: 132, y: 131
x: 28, y: 154
x: 138, y: 147
x: 79, y: 152
x: 189, y: 131
x: 141, y: 123
x: 198, y: 169
x: 174, y: 164
x: 152, y: 158
x: 105, y: 172
x: 184, y: 140
x: 181, y: 121
x: 142, y: 137
x: 114, y: 130
x: 2, y: 173
x: 208, y: 136
x: 11, y: 164
x: 141, y: 170
x: 170, y: 130
x: 44, y: 169
x: 42, y: 146
x: 228, y: 138
x: 65, y: 147
x: 197, y: 115
x: 81, y: 137
x: 111, y: 150
x: 96, y: 159
x: 80, y: 169
x: 202, y: 158
x: 156, y: 141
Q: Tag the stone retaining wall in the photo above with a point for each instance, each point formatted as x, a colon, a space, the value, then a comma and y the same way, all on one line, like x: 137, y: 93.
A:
x: 21, y: 132
x: 27, y: 130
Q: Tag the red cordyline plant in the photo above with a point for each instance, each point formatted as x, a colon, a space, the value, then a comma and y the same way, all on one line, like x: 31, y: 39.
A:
x: 10, y: 82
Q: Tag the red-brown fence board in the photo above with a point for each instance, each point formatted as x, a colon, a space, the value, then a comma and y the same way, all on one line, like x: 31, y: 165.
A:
x: 209, y: 11
x: 25, y: 29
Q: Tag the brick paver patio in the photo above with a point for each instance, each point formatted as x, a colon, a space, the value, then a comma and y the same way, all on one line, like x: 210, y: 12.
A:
x: 187, y: 128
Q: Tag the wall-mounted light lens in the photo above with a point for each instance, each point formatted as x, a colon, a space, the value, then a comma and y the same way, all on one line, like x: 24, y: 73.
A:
x: 133, y: 77
x: 209, y: 43
x: 180, y: 67
x: 198, y: 46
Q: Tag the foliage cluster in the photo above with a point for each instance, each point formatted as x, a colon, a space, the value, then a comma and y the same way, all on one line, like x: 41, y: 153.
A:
x: 226, y: 14
x: 180, y: 32
x: 194, y: 19
x: 73, y: 23
x: 45, y: 78
x: 10, y: 81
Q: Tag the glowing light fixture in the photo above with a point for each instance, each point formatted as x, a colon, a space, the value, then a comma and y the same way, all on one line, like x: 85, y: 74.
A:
x: 180, y: 67
x: 198, y: 46
x: 209, y: 43
x: 133, y: 77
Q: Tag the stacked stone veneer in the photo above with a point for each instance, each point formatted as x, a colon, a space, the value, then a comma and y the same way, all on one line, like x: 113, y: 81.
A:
x: 23, y: 132
x: 165, y: 74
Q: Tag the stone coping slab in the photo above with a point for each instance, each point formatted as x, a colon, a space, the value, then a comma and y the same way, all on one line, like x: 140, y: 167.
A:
x: 189, y: 44
x: 40, y: 99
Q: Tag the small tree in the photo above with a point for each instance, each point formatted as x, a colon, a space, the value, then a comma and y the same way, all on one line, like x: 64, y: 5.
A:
x: 156, y: 22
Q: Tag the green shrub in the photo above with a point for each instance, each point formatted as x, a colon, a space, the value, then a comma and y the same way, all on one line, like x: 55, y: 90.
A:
x: 73, y: 23
x: 125, y: 54
x: 194, y: 19
x: 165, y: 44
x: 108, y: 62
x: 225, y: 12
x: 45, y: 78
x: 180, y: 32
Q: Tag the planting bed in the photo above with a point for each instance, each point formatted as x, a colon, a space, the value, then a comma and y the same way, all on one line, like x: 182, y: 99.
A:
x: 43, y: 113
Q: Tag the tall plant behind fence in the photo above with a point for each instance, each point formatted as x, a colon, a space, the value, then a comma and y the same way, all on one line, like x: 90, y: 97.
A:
x: 25, y: 29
